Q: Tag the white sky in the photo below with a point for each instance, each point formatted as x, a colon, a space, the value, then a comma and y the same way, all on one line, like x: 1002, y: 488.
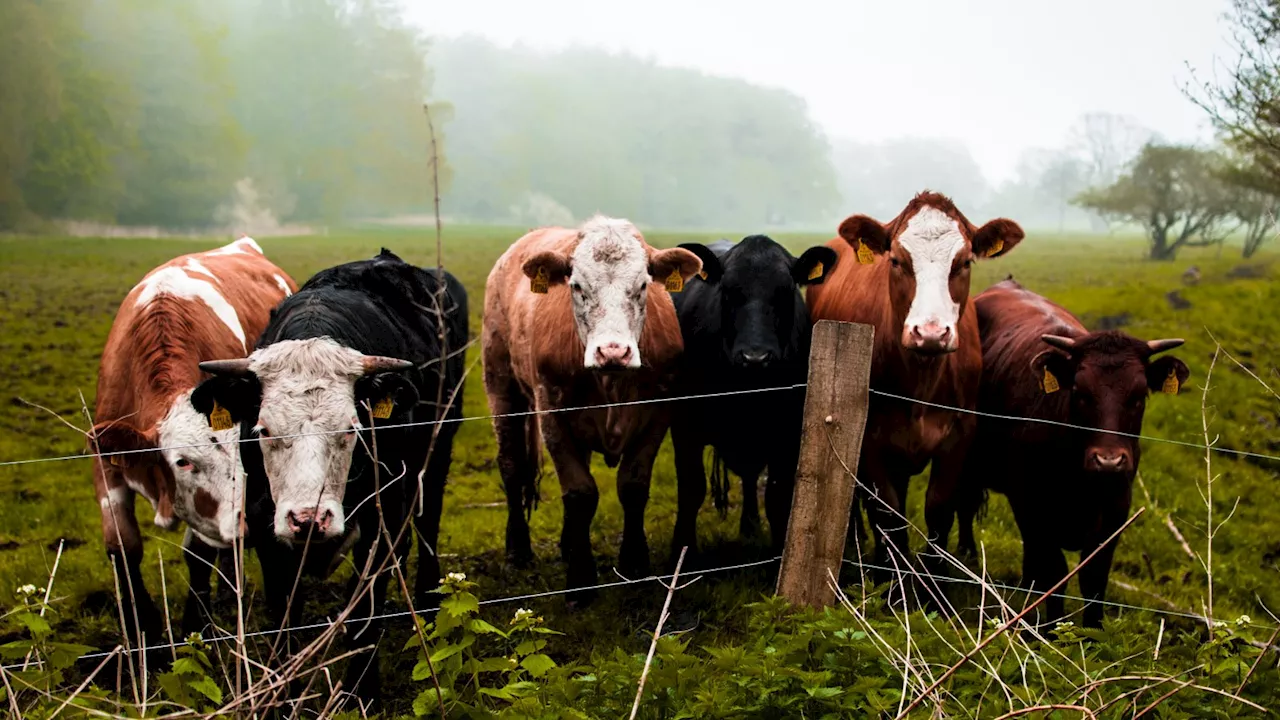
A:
x: 1000, y: 75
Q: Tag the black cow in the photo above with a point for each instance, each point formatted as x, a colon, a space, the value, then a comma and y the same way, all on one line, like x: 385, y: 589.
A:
x: 360, y: 344
x: 745, y: 327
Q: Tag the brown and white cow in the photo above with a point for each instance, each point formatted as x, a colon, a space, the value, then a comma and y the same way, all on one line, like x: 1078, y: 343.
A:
x: 910, y: 279
x: 1069, y: 489
x: 573, y: 318
x: 208, y: 304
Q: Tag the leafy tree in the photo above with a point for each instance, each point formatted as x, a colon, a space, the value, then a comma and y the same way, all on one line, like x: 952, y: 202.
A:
x: 1175, y: 192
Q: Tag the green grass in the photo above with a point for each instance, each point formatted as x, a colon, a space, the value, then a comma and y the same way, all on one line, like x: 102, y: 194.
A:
x: 58, y: 298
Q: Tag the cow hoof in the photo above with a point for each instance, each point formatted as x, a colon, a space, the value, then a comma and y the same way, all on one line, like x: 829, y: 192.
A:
x: 521, y: 559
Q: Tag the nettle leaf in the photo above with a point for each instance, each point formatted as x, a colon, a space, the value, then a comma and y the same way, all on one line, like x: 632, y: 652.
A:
x: 208, y: 688
x: 428, y: 701
x: 187, y: 666
x: 460, y: 604
x: 480, y: 626
x: 452, y: 649
x: 493, y: 664
x: 175, y: 686
x: 38, y: 626
x: 538, y: 664
x: 823, y: 693
x: 530, y: 646
x: 422, y: 670
x: 16, y: 649
x: 63, y: 655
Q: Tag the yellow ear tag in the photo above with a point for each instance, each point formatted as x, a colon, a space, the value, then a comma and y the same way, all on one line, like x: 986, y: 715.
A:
x: 702, y: 274
x: 115, y: 460
x: 1050, y: 382
x: 1170, y: 384
x: 997, y: 247
x: 675, y: 283
x: 816, y: 272
x: 539, y: 283
x: 220, y: 417
x: 382, y: 408
x: 865, y: 256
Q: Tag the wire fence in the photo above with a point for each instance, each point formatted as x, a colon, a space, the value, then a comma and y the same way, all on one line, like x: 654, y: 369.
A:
x: 677, y: 398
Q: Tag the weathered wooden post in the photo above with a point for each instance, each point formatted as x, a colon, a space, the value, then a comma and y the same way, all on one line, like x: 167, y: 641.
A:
x: 835, y: 415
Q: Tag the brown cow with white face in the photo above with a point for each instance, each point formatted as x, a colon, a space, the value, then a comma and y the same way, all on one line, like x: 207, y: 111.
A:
x: 910, y: 279
x: 1069, y: 488
x: 205, y: 304
x: 575, y: 318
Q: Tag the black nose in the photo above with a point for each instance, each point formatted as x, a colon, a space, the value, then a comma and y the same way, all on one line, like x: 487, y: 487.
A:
x: 755, y: 357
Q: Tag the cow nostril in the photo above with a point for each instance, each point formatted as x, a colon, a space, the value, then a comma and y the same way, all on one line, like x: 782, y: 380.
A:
x: 326, y: 519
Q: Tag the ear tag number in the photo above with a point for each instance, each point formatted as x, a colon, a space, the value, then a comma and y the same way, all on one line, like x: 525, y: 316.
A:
x: 220, y: 417
x: 382, y: 408
x: 816, y: 271
x: 540, y: 282
x: 1050, y: 382
x: 1171, y: 384
x: 865, y: 256
x: 995, y: 248
x: 675, y: 283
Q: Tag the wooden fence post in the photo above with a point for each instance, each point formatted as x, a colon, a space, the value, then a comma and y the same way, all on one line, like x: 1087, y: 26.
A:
x: 835, y: 415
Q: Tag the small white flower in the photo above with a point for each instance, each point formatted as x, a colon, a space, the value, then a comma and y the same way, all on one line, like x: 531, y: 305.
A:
x: 1243, y: 620
x: 27, y: 589
x: 1219, y: 624
x: 456, y: 577
x: 522, y: 613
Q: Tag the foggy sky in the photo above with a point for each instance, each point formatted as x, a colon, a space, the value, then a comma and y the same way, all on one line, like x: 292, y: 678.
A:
x: 999, y: 75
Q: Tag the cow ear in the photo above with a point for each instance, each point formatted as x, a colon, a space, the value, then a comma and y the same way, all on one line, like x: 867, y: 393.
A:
x: 997, y: 238
x: 1167, y: 374
x: 121, y: 437
x: 239, y: 396
x: 387, y: 393
x: 712, y: 270
x: 1052, y: 368
x: 814, y: 265
x: 859, y: 230
x: 554, y: 267
x: 662, y: 263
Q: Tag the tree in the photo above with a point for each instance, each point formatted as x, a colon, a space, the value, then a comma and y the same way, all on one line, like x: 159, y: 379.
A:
x: 1105, y: 143
x: 1176, y: 192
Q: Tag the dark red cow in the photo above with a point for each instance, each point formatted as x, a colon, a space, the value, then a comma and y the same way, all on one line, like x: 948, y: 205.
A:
x: 1069, y: 489
x: 910, y: 279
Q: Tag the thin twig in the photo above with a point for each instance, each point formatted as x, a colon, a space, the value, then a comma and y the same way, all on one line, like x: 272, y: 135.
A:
x: 657, y: 632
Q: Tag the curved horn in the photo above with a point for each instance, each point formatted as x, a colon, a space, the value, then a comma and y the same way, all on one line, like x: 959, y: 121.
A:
x: 379, y: 363
x: 1159, y: 346
x: 1060, y: 342
x: 236, y: 368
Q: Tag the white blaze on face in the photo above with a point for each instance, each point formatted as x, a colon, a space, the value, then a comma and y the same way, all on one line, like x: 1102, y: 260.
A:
x: 175, y: 282
x: 608, y: 283
x: 308, y: 390
x: 208, y: 476
x: 933, y: 240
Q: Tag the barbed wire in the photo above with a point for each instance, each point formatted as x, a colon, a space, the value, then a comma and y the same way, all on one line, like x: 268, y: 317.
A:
x: 677, y: 398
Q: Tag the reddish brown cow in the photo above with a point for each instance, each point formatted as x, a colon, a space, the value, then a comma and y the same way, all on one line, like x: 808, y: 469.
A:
x: 910, y: 279
x: 202, y: 305
x: 576, y: 318
x: 1069, y: 489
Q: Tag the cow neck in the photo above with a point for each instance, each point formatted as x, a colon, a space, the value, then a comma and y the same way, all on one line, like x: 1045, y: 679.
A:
x: 167, y: 368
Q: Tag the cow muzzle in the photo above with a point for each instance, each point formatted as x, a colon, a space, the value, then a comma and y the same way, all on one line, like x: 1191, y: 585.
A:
x: 613, y: 356
x: 1108, y: 460
x: 929, y: 338
x: 754, y: 358
x: 320, y: 522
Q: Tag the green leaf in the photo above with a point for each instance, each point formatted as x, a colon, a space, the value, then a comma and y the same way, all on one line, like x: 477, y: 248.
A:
x: 480, y: 626
x: 175, y: 687
x: 188, y: 666
x: 538, y: 664
x: 530, y: 646
x: 493, y: 664
x: 428, y: 701
x: 208, y: 688
x: 38, y: 626
x: 823, y: 693
x: 452, y: 649
x: 460, y: 604
x: 422, y: 670
x: 16, y: 649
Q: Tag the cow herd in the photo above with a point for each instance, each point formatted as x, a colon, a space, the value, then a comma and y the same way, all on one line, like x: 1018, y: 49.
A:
x: 244, y: 405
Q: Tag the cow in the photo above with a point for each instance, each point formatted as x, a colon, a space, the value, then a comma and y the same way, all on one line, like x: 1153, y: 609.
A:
x: 581, y: 318
x: 1069, y: 488
x: 909, y: 278
x: 367, y: 343
x: 745, y: 327
x: 150, y: 441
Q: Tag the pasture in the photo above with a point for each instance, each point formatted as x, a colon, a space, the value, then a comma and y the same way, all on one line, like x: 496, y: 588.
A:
x: 58, y: 297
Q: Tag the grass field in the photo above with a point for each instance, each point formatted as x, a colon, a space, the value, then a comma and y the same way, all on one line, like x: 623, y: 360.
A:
x: 59, y: 296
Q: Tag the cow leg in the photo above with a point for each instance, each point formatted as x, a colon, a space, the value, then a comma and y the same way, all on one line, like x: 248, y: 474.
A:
x: 200, y: 559
x: 778, y: 491
x: 516, y: 463
x: 884, y: 507
x: 581, y: 496
x: 633, y: 490
x: 363, y: 673
x: 1093, y: 581
x: 227, y: 581
x: 427, y: 525
x: 749, y: 522
x: 1043, y: 565
x: 691, y: 491
x: 142, y: 624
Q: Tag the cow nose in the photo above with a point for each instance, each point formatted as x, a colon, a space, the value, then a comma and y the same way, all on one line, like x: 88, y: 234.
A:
x: 613, y: 354
x: 300, y: 519
x: 756, y: 357
x: 931, y: 337
x: 1108, y: 460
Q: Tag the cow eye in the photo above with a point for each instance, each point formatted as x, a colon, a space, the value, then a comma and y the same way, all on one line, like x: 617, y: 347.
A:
x: 968, y: 263
x: 262, y: 432
x: 895, y: 262
x: 183, y: 463
x: 576, y: 287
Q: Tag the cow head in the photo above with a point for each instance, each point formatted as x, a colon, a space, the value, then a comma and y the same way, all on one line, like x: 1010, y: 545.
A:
x: 757, y: 287
x: 135, y: 453
x: 208, y: 477
x: 608, y: 273
x: 929, y: 249
x: 306, y: 398
x: 1107, y: 376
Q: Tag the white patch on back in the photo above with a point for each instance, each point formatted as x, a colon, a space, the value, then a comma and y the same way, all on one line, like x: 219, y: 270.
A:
x: 238, y: 247
x: 176, y: 282
x: 611, y: 264
x: 933, y: 239
x: 283, y: 285
x: 308, y: 401
x: 193, y: 265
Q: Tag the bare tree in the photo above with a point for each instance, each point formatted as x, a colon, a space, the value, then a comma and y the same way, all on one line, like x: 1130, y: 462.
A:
x: 1107, y: 142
